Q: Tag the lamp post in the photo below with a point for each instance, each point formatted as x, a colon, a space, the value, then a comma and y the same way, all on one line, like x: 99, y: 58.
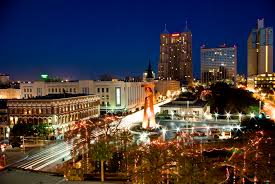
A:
x: 143, y: 137
x: 163, y: 133
x: 106, y: 107
x: 207, y: 128
x: 252, y: 115
x: 216, y: 116
x: 172, y: 113
x: 228, y: 116
x: 23, y: 140
x: 240, y: 117
x: 183, y: 114
x: 260, y: 106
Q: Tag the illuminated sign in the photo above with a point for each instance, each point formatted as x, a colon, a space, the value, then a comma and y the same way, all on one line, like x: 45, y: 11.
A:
x: 44, y: 76
x: 118, y: 96
x: 175, y: 34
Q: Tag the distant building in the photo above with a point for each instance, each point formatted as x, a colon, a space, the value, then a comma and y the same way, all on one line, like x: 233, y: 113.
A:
x: 167, y: 87
x: 149, y: 74
x: 4, y: 79
x: 43, y: 88
x: 260, y: 50
x: 218, y: 64
x: 59, y: 110
x: 9, y: 93
x: 240, y: 79
x: 263, y: 82
x: 176, y: 56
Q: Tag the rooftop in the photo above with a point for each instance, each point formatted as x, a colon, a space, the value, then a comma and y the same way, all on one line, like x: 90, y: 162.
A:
x: 222, y: 46
x: 192, y: 104
x: 58, y: 96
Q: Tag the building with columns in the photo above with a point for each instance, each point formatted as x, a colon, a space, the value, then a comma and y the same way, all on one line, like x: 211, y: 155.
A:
x: 115, y: 95
x: 59, y: 111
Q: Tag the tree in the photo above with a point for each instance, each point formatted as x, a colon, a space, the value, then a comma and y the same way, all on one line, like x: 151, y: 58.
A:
x: 101, y: 151
x: 226, y: 99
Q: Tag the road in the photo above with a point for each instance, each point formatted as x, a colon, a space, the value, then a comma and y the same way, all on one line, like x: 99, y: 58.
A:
x: 55, y: 153
x: 136, y: 117
x: 52, y: 154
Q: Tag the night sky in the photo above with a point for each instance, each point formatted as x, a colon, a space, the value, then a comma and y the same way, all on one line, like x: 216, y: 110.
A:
x: 84, y: 39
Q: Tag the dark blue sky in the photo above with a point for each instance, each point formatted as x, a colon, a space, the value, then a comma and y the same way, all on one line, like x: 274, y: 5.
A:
x: 83, y: 39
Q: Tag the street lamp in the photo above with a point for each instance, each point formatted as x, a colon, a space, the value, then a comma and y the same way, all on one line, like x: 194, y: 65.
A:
x: 143, y: 137
x: 157, y: 125
x: 172, y: 113
x: 240, y: 117
x: 228, y: 116
x: 216, y: 116
x: 252, y: 115
x: 207, y: 128
x: 182, y: 114
x: 106, y: 107
x: 163, y: 133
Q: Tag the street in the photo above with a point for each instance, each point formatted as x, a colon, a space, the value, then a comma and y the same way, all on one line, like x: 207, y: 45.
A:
x: 53, y: 154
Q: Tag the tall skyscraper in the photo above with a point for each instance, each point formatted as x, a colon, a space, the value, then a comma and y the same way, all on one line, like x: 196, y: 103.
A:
x: 260, y: 50
x: 218, y: 64
x: 176, y: 56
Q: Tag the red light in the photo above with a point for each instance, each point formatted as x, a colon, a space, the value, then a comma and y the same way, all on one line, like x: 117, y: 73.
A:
x: 175, y: 34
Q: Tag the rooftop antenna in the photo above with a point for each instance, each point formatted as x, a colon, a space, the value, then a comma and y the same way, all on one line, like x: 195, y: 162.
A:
x: 186, y: 27
x: 165, y: 29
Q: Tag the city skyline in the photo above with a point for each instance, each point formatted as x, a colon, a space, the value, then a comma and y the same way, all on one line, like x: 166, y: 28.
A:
x: 87, y: 39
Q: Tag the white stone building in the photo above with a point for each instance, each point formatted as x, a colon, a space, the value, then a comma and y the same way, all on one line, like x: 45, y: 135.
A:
x: 119, y: 95
x: 116, y: 96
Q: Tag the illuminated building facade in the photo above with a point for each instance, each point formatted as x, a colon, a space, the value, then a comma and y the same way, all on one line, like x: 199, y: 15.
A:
x: 167, y: 87
x: 176, y: 56
x: 43, y: 88
x: 262, y: 82
x: 115, y: 95
x: 218, y: 64
x: 59, y: 111
x: 260, y: 50
x: 9, y: 93
x: 119, y: 96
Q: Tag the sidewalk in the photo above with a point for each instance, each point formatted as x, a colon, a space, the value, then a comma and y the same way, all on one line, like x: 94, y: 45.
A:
x: 13, y: 157
x: 15, y: 176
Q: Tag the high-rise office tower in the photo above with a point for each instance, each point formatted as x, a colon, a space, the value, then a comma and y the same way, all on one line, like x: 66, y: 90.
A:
x: 260, y: 50
x: 218, y: 64
x: 176, y: 56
